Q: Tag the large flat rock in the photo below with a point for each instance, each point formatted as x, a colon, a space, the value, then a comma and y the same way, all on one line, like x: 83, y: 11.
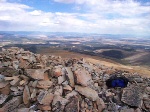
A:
x: 87, y: 92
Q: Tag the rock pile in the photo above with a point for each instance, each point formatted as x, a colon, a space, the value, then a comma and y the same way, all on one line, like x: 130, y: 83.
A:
x: 39, y: 83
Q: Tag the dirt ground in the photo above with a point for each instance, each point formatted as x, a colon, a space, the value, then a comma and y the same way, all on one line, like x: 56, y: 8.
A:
x: 144, y: 71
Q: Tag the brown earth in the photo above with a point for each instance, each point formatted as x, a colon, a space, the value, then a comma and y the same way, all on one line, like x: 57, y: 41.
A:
x: 143, y: 70
x: 141, y: 58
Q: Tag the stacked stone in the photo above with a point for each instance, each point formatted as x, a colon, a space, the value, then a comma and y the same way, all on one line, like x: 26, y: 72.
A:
x: 38, y: 83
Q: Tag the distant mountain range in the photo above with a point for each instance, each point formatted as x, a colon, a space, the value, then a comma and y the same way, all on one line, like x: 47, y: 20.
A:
x: 45, y: 35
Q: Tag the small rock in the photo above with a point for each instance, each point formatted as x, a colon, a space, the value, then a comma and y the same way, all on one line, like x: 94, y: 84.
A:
x: 39, y: 111
x: 15, y: 82
x: 127, y: 110
x: 6, y: 64
x: 147, y: 90
x: 57, y: 72
x: 44, y: 107
x: 73, y: 105
x: 23, y: 110
x: 137, y: 110
x: 12, y: 105
x: 13, y: 88
x: 146, y: 103
x: 58, y: 90
x: 59, y: 99
x: 67, y: 87
x: 36, y: 73
x: 96, y: 84
x: 26, y: 95
x: 11, y: 78
x: 70, y: 76
x: 45, y: 98
x: 34, y: 84
x: 87, y: 92
x: 69, y: 95
x: 112, y: 107
x: 44, y: 84
x: 2, y: 78
x: 109, y: 94
x: 82, y: 77
x: 3, y: 98
x: 15, y: 64
x: 33, y: 95
x: 3, y: 84
x: 23, y: 63
x: 65, y: 83
x: 17, y: 93
x: 5, y: 90
x: 132, y: 96
x: 7, y: 71
x: 61, y: 79
x: 22, y: 82
x: 138, y: 80
x: 101, y: 105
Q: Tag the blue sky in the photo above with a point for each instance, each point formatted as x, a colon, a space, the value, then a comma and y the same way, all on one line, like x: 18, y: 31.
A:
x: 84, y: 16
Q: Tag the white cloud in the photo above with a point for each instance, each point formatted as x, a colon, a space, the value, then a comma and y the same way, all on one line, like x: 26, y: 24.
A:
x: 36, y: 12
x: 75, y: 1
x: 122, y: 7
x: 5, y: 18
x: 115, y: 16
x: 102, y: 16
x: 65, y: 1
x: 19, y: 18
x: 3, y: 0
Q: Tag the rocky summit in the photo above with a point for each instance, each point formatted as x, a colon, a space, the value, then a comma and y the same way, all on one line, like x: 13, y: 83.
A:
x: 39, y: 83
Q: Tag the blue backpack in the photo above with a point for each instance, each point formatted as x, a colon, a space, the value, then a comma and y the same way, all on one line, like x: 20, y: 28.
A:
x: 115, y: 81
